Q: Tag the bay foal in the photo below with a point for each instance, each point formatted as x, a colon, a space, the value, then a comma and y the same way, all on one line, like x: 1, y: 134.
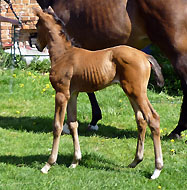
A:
x: 75, y: 70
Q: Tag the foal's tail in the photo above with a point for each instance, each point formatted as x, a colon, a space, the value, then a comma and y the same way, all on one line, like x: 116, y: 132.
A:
x: 157, y: 70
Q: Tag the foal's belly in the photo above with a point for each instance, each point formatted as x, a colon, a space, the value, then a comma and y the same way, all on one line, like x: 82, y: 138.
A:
x: 95, y: 74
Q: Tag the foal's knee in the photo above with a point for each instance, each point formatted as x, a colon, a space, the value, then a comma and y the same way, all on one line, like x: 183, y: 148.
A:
x: 57, y: 129
x: 61, y: 98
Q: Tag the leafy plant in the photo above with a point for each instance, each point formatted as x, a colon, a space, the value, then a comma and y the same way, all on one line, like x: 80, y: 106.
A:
x: 5, y: 59
x: 38, y: 65
x: 172, y: 84
x: 8, y: 61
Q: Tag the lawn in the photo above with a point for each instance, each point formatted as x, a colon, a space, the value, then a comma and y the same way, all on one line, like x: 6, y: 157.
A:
x: 26, y: 116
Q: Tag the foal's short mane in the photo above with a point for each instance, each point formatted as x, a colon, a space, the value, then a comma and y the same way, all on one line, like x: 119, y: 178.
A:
x: 63, y: 31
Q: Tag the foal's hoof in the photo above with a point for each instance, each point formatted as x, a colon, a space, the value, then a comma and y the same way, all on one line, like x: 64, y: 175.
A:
x: 156, y: 174
x: 134, y: 163
x: 72, y: 166
x: 92, y: 127
x: 46, y: 168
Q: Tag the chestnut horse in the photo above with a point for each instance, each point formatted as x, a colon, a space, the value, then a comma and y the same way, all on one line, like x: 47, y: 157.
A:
x: 97, y: 24
x: 75, y: 70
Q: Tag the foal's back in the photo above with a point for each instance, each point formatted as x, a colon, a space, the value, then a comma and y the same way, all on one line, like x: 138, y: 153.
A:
x: 90, y: 71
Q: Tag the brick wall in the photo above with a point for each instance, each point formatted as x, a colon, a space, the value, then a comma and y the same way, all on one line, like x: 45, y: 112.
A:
x: 23, y: 9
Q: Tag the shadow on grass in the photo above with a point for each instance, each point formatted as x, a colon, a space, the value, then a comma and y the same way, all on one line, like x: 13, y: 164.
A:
x: 89, y: 161
x: 29, y: 124
x: 44, y: 125
x: 30, y: 161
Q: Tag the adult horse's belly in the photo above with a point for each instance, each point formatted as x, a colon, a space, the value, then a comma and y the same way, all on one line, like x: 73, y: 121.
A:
x: 107, y: 23
x: 138, y: 37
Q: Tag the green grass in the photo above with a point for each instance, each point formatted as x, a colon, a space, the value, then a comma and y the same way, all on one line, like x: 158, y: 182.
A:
x: 26, y: 116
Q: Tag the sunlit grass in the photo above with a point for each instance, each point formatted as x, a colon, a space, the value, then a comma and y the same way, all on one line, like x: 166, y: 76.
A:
x: 26, y: 116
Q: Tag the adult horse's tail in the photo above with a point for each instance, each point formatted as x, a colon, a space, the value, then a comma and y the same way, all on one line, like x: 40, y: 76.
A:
x: 157, y: 70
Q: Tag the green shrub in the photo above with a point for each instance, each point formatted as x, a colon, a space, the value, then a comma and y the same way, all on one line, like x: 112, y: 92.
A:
x: 40, y: 66
x: 172, y: 83
x: 7, y: 61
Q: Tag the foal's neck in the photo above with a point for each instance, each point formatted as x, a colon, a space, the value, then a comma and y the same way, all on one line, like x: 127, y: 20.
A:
x: 57, y: 44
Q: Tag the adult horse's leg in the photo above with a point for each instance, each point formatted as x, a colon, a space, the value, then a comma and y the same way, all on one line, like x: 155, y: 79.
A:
x: 96, y: 115
x: 182, y: 124
x: 96, y: 112
x: 181, y: 68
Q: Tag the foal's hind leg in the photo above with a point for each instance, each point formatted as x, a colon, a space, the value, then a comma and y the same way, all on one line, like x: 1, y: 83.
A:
x: 144, y: 111
x: 60, y: 109
x: 73, y: 126
x: 141, y: 124
x: 153, y: 121
x: 154, y: 124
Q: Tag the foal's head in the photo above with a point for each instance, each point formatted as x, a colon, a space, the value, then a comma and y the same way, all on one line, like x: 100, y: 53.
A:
x: 47, y: 22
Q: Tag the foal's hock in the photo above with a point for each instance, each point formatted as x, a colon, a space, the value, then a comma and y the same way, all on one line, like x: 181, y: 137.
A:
x: 75, y: 70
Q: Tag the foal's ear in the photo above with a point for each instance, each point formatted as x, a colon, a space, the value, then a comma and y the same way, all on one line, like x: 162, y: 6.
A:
x: 37, y: 11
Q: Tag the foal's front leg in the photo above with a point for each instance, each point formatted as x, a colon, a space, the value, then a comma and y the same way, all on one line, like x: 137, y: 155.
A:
x: 60, y: 110
x: 73, y: 126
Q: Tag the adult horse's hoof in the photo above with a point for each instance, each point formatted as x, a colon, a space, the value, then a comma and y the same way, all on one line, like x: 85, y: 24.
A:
x: 174, y: 136
x: 66, y: 129
x: 92, y: 127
